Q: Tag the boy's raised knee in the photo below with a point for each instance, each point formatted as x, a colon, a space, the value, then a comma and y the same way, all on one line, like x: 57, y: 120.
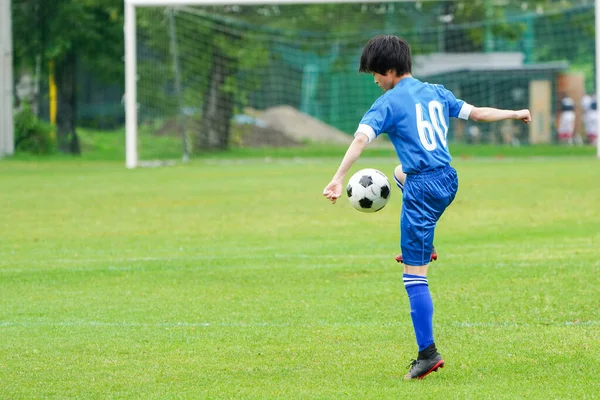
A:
x: 400, y: 176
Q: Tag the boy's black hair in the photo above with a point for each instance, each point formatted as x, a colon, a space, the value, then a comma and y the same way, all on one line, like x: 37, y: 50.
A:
x: 384, y: 53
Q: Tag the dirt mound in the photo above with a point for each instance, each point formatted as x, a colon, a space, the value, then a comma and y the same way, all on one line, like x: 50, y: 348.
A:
x: 252, y: 135
x: 281, y: 126
x: 301, y: 127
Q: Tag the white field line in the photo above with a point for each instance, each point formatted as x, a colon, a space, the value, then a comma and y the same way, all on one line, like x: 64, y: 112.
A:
x: 265, y: 253
x: 125, y: 324
x: 464, y: 250
x: 75, y: 264
x: 69, y: 262
x: 343, y: 261
x: 244, y: 256
x: 142, y: 268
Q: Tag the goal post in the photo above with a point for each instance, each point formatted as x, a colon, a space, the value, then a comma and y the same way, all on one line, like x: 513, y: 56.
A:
x: 7, y: 139
x: 131, y: 153
x: 185, y: 59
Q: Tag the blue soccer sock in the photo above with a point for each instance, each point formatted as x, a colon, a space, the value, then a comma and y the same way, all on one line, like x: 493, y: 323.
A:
x: 421, y: 308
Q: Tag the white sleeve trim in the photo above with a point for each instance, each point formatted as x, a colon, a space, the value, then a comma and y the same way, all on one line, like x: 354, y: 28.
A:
x: 465, y: 111
x: 367, y: 130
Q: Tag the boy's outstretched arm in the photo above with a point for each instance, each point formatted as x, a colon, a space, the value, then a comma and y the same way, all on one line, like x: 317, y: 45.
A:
x: 334, y: 189
x: 489, y: 114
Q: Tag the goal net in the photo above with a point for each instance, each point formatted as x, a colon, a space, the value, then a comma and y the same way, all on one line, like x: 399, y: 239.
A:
x: 204, y: 76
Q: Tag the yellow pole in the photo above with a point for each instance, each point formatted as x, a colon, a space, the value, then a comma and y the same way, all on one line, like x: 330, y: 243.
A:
x: 52, y: 95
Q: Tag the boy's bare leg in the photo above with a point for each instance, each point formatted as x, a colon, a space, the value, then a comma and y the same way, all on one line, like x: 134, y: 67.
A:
x: 400, y: 177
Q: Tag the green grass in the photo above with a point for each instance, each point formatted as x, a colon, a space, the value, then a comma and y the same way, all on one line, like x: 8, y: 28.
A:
x: 234, y: 278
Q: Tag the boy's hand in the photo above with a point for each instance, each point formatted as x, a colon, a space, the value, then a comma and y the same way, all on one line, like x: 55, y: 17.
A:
x: 524, y: 115
x: 333, y: 191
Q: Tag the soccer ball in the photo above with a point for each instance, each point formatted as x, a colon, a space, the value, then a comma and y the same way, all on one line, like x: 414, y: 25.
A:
x: 368, y: 190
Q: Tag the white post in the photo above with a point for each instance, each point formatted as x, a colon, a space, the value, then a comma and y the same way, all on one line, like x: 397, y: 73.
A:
x: 131, y: 155
x: 597, y: 11
x: 7, y: 138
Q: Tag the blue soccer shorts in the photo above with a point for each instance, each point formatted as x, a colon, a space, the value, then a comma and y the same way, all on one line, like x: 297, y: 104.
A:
x: 425, y: 198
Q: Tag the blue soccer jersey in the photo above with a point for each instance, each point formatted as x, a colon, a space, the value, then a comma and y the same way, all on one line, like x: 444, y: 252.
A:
x: 415, y: 115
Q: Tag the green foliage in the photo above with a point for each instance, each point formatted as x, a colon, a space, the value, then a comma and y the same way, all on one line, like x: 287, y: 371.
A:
x: 62, y: 33
x: 32, y: 135
x: 50, y: 29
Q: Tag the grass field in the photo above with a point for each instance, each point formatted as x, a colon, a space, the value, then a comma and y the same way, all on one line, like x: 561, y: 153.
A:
x: 234, y: 278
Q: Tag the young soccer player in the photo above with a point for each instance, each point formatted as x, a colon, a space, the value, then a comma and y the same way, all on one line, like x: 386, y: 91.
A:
x: 415, y: 116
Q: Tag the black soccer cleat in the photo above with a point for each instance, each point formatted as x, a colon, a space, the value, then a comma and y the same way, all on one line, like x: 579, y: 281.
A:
x: 419, y: 369
x: 433, y: 256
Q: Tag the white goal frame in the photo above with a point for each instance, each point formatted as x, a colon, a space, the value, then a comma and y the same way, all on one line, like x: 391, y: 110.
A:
x: 131, y: 120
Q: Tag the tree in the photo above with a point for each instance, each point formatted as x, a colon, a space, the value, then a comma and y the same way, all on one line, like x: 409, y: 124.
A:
x: 68, y: 32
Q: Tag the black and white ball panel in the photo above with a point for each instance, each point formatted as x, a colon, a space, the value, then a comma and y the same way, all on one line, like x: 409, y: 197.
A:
x: 368, y: 190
